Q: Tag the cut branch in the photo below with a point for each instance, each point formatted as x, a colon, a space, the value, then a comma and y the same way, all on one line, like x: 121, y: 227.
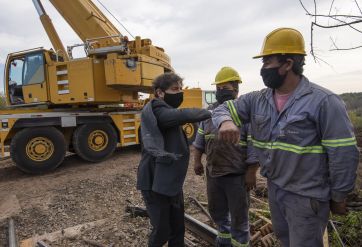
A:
x: 315, y: 11
x: 311, y: 42
x: 358, y: 6
x: 305, y: 9
x: 331, y: 16
x: 340, y: 25
x: 339, y: 20
x: 346, y: 49
x: 352, y: 27
x: 330, y: 9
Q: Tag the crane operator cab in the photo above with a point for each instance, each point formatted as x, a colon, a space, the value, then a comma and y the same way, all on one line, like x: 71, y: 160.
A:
x: 25, y: 71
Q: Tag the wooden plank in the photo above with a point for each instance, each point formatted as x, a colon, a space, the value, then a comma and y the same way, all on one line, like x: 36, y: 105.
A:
x: 260, y: 216
x: 325, y: 239
x: 70, y: 232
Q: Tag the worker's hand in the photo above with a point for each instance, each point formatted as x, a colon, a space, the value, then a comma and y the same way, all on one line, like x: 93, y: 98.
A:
x: 229, y: 132
x: 250, y: 177
x: 338, y: 208
x: 198, y: 168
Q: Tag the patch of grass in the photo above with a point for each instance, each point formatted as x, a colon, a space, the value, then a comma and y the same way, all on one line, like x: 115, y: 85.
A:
x: 349, y: 229
x: 356, y: 119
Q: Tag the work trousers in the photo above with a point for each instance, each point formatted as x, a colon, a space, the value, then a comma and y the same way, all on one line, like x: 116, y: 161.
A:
x: 298, y: 221
x: 167, y: 219
x: 228, y: 201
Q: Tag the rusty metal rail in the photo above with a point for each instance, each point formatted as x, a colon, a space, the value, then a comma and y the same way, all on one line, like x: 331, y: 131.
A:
x: 12, y: 234
x: 202, y: 230
x: 204, y: 210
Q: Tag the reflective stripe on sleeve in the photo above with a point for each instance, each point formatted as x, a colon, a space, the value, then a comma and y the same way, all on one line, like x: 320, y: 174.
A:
x: 289, y: 147
x: 340, y: 142
x: 200, y: 131
x: 209, y: 136
x: 243, y: 143
x: 224, y: 235
x: 233, y: 113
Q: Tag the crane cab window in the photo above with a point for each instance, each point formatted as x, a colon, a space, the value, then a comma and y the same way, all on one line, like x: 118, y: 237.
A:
x: 16, y: 72
x: 25, y: 70
x: 34, y: 69
x: 16, y: 81
x: 210, y: 97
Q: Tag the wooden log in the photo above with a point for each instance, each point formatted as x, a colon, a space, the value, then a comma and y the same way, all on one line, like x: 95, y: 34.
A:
x: 255, y: 237
x: 54, y: 236
x: 259, y: 201
x: 325, y: 239
x: 94, y: 243
x: 257, y: 214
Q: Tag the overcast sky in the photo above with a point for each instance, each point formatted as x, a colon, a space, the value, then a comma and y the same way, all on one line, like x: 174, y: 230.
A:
x: 201, y: 36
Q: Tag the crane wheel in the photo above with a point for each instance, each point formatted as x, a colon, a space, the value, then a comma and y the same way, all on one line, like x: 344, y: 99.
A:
x: 95, y: 142
x: 190, y: 130
x: 38, y: 150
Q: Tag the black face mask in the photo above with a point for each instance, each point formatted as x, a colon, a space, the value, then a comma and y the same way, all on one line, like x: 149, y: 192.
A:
x: 174, y: 99
x: 272, y: 78
x: 223, y: 95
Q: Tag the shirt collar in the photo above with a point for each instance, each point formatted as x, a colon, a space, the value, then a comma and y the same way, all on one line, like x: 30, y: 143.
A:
x: 302, y: 89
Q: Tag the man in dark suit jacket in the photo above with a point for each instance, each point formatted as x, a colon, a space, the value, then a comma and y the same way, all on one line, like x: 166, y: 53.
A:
x: 165, y: 158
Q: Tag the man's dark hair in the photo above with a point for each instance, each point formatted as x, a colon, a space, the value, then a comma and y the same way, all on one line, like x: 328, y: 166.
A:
x: 165, y: 81
x: 299, y: 61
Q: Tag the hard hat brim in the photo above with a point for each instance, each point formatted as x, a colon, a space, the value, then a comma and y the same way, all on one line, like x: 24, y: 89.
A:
x: 279, y: 53
x: 259, y: 56
x: 220, y: 82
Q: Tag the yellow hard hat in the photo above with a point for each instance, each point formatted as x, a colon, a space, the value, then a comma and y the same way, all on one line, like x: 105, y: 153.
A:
x: 226, y: 74
x: 283, y: 41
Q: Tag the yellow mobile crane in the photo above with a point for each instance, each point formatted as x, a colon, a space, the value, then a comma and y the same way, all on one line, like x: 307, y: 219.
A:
x: 86, y: 105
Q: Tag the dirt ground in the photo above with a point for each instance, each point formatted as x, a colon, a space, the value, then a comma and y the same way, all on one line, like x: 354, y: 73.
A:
x: 79, y: 192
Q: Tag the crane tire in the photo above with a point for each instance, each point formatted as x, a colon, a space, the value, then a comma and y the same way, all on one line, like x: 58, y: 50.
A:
x: 94, y: 142
x: 38, y: 150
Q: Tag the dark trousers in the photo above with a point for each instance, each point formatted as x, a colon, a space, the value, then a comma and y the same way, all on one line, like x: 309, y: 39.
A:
x: 167, y: 219
x: 298, y: 221
x: 228, y: 201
